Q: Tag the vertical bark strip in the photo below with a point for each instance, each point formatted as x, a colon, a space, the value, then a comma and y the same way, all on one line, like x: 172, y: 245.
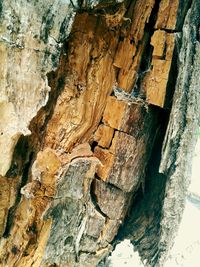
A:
x: 181, y: 135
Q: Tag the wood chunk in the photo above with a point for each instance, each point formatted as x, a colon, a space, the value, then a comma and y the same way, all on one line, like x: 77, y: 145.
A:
x: 158, y: 41
x: 124, y: 116
x: 92, y: 259
x: 167, y: 14
x: 111, y: 200
x: 155, y: 82
x: 123, y: 162
x: 114, y: 112
x: 133, y: 120
x: 30, y: 211
x: 106, y: 159
x: 125, y: 51
x: 127, y: 78
x: 129, y: 151
x: 104, y: 135
x: 126, y: 169
x: 163, y: 44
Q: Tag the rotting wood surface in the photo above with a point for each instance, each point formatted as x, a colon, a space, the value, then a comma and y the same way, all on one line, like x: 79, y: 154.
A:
x: 86, y: 95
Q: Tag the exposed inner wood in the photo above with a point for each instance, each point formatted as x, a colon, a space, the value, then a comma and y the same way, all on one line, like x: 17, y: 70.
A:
x: 92, y: 142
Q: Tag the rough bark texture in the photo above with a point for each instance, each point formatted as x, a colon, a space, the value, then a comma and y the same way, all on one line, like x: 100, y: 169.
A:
x: 99, y: 112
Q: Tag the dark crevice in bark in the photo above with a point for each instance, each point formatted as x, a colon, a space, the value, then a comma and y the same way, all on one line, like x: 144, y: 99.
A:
x: 117, y: 70
x: 1, y: 9
x: 24, y: 179
x: 94, y: 199
x: 21, y: 156
x: 28, y: 146
x: 63, y: 29
x: 146, y: 59
x: 93, y: 145
x: 145, y: 66
x: 85, y: 251
x: 142, y: 223
x: 76, y: 8
x: 169, y: 30
x: 10, y: 218
x: 173, y: 74
x: 47, y: 25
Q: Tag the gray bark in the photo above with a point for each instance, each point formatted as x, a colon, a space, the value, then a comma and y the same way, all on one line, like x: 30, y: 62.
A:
x: 67, y: 198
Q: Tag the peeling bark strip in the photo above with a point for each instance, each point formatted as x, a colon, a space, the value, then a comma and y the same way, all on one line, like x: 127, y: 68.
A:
x: 181, y: 135
x: 91, y: 83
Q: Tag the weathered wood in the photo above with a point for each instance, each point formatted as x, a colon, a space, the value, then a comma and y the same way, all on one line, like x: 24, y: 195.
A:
x: 89, y: 82
x: 167, y: 15
x: 30, y: 40
x: 156, y: 80
x: 103, y: 135
x: 160, y: 216
x: 181, y: 135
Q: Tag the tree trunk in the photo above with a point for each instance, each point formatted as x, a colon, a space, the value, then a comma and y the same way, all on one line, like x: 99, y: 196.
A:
x: 99, y: 112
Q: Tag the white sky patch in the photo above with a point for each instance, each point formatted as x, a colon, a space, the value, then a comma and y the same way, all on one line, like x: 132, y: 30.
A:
x: 124, y: 256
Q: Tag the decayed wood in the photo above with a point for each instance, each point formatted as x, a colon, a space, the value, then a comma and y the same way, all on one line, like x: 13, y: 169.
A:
x: 104, y: 135
x: 30, y: 43
x: 181, y: 135
x: 167, y: 15
x: 123, y: 163
x: 132, y: 43
x: 73, y: 182
x: 174, y: 169
x: 156, y: 80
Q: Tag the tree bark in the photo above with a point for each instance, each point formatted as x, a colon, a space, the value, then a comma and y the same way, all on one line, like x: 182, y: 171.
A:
x: 99, y: 113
